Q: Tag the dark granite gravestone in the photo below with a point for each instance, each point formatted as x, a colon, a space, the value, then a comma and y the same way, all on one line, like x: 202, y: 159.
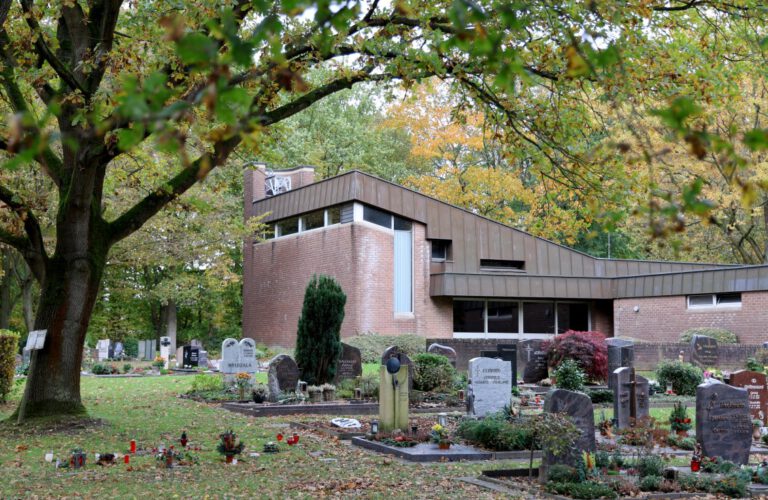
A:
x: 621, y: 353
x: 283, y: 375
x: 506, y: 352
x: 755, y: 384
x: 622, y: 399
x: 532, y: 359
x: 350, y: 363
x: 444, y: 350
x: 723, y: 425
x: 191, y: 356
x: 394, y: 351
x: 578, y: 407
x: 703, y: 351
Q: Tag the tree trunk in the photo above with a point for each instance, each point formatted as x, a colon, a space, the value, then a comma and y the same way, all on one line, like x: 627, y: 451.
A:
x: 171, y: 324
x: 66, y: 303
x: 6, y: 305
x: 27, y: 303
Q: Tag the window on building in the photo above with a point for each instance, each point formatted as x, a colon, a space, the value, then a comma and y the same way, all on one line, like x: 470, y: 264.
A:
x: 287, y: 226
x: 502, y: 317
x: 714, y: 300
x: 377, y: 216
x: 572, y: 316
x: 313, y: 220
x: 403, y: 272
x: 502, y: 265
x: 539, y: 317
x: 401, y: 224
x: 333, y: 215
x: 468, y: 316
x: 440, y: 250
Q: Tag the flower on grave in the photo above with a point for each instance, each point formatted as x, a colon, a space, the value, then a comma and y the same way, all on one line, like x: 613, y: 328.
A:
x: 440, y: 434
x: 159, y: 362
x: 243, y: 380
x: 229, y: 445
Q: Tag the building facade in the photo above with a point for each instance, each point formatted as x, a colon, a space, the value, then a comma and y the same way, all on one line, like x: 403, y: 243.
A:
x: 413, y: 264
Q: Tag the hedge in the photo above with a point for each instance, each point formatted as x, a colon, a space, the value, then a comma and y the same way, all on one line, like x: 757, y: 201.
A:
x: 9, y: 343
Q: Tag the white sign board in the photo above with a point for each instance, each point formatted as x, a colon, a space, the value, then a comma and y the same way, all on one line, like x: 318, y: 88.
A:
x: 35, y: 340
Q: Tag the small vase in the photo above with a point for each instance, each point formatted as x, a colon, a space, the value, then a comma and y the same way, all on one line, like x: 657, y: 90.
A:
x: 229, y: 458
x: 444, y: 446
x: 695, y: 465
x: 241, y: 391
x: 756, y: 433
x: 329, y: 395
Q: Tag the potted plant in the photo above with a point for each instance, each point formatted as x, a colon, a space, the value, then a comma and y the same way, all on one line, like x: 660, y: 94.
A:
x: 157, y: 364
x: 229, y: 446
x: 329, y: 392
x: 243, y: 382
x: 315, y: 394
x: 440, y: 436
x: 679, y: 420
x: 260, y: 393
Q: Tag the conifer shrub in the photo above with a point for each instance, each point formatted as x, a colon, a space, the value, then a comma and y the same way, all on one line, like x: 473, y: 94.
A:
x: 588, y: 349
x: 683, y: 377
x: 432, y: 372
x: 318, y: 342
x: 9, y: 343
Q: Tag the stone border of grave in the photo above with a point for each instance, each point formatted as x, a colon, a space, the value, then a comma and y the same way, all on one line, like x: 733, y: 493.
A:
x: 340, y: 435
x: 277, y: 410
x: 501, y: 486
x: 425, y: 452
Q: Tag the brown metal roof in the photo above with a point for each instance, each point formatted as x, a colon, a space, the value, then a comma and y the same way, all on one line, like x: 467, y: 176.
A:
x: 551, y: 270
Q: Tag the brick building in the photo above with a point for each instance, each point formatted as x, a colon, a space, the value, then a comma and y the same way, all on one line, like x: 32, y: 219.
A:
x: 412, y: 264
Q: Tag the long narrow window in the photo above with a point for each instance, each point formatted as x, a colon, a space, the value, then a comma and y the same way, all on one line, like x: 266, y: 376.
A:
x: 539, y: 318
x: 403, y: 268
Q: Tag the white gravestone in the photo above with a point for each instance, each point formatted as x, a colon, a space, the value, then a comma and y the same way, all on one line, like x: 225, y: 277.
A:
x: 165, y: 350
x: 491, y: 385
x: 103, y: 348
x: 238, y: 357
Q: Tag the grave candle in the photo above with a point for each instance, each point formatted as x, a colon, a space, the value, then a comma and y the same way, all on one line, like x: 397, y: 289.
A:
x: 133, y: 446
x: 127, y: 459
x: 442, y: 419
x: 49, y: 457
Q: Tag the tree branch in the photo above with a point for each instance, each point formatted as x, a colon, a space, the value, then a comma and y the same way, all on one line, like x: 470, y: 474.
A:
x: 44, y: 51
x: 32, y: 247
x: 102, y: 20
x: 145, y: 209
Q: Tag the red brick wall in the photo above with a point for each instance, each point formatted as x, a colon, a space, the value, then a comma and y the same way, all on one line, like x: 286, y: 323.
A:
x: 663, y: 319
x: 360, y: 257
x: 602, y: 317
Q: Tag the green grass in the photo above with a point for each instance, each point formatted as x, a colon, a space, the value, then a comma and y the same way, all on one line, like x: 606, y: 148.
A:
x: 660, y: 414
x: 148, y: 410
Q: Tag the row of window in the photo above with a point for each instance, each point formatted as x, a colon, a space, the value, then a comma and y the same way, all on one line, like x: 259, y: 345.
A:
x: 708, y: 300
x: 489, y: 316
x: 306, y: 222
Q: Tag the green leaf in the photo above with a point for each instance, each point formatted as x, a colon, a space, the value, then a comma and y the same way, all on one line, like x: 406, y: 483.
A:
x: 757, y: 139
x: 677, y: 113
x: 197, y: 49
x: 127, y: 138
x: 232, y: 104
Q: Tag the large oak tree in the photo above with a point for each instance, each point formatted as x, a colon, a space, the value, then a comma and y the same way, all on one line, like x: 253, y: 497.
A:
x: 87, y: 82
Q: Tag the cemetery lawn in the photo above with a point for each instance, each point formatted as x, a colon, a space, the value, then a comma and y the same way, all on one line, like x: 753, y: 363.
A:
x: 147, y: 409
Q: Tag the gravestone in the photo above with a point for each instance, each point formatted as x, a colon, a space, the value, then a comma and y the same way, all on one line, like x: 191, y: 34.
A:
x: 621, y: 353
x: 723, y: 424
x: 578, y: 407
x: 350, y: 363
x: 757, y: 391
x: 532, y: 358
x: 191, y: 355
x: 505, y: 352
x: 393, y: 398
x: 703, y: 351
x: 142, y: 349
x: 237, y: 356
x: 490, y: 383
x: 119, y: 351
x: 165, y: 349
x: 404, y: 361
x: 103, y: 348
x: 283, y: 375
x: 196, y: 343
x: 202, y: 359
x: 443, y: 350
x: 622, y: 397
x: 180, y: 357
x: 146, y: 350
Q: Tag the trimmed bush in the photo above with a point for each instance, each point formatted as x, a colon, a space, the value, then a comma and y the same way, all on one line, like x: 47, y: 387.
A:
x: 9, y: 344
x: 431, y: 372
x: 722, y: 335
x: 495, y: 433
x: 600, y: 396
x: 584, y: 490
x: 684, y: 377
x: 560, y: 473
x: 588, y: 349
x: 207, y: 383
x: 650, y: 483
x: 569, y: 376
x: 318, y: 341
x: 372, y: 345
x: 650, y: 465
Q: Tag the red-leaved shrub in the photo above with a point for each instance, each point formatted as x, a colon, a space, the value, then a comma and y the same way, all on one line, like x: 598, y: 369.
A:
x: 588, y: 349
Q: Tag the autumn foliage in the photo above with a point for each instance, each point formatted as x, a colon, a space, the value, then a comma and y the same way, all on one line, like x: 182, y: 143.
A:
x: 588, y: 349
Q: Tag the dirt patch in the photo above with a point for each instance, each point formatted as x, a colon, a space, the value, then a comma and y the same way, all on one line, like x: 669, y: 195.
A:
x: 68, y: 426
